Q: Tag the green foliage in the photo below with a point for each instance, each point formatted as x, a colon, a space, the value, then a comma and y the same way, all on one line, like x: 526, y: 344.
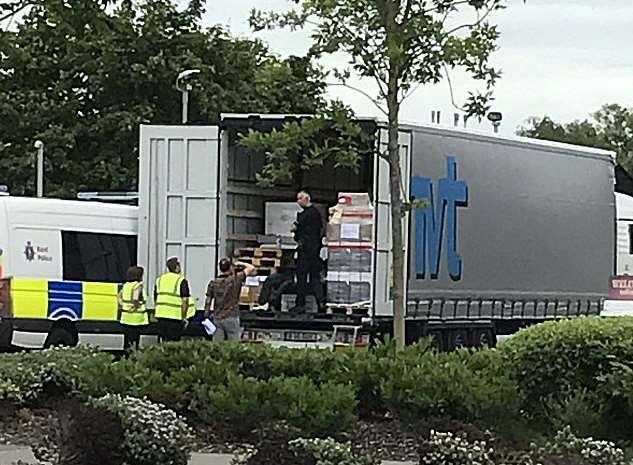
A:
x: 566, y: 447
x: 553, y: 359
x: 399, y: 45
x: 153, y: 435
x: 310, y: 142
x: 23, y: 376
x: 454, y: 449
x: 449, y: 386
x: 83, y: 78
x: 610, y: 128
x: 329, y: 452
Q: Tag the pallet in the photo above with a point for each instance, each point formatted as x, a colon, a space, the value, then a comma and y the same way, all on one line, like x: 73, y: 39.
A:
x: 346, y: 309
x: 245, y: 252
x: 248, y: 306
x: 268, y: 253
x: 264, y: 271
x: 266, y: 262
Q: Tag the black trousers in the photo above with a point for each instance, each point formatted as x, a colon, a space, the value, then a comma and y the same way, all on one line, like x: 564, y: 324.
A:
x: 309, y: 276
x: 132, y: 336
x: 170, y: 330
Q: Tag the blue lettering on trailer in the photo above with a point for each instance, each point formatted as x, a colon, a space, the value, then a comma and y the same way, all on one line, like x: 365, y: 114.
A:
x: 429, y: 222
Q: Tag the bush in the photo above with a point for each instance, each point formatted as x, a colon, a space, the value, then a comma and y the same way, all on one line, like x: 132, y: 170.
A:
x: 243, y: 404
x: 566, y: 448
x: 329, y: 452
x: 454, y: 449
x: 25, y: 375
x: 553, y: 359
x: 465, y: 386
x: 101, y: 439
x: 153, y: 434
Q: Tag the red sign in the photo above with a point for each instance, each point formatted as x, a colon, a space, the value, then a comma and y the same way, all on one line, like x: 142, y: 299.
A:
x: 621, y: 288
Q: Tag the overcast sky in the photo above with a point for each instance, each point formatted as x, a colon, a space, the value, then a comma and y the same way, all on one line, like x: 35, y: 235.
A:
x: 563, y: 58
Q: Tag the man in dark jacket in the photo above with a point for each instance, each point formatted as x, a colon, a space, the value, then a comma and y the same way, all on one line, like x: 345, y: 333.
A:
x: 308, y: 233
x: 273, y: 288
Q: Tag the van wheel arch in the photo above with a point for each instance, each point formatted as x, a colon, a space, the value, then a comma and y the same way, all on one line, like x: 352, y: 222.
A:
x: 62, y: 333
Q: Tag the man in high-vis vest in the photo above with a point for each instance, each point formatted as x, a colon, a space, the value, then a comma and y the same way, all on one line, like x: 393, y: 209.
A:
x: 134, y: 317
x: 173, y: 302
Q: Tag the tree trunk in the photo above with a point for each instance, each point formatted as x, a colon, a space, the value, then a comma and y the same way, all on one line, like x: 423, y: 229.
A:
x: 395, y: 181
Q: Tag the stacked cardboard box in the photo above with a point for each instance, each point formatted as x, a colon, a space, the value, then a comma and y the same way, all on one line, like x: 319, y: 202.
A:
x: 350, y: 249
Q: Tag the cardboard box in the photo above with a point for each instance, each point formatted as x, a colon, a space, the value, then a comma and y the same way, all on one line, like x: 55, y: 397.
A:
x: 250, y: 294
x: 354, y: 200
x: 343, y: 259
x: 342, y: 292
x: 350, y: 232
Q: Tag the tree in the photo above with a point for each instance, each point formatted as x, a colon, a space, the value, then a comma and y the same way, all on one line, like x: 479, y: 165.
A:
x: 400, y: 45
x: 610, y: 128
x: 83, y: 75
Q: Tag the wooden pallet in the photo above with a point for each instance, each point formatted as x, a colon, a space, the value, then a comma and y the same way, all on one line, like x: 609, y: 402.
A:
x: 268, y: 253
x: 266, y: 262
x: 245, y: 252
x: 263, y: 271
x: 245, y: 306
x: 346, y: 309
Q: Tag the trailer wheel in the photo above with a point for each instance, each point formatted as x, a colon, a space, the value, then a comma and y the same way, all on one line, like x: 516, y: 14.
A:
x: 437, y: 339
x: 484, y: 337
x: 457, y: 338
x: 60, y: 336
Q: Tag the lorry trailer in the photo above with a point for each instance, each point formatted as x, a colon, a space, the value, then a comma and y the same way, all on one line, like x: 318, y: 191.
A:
x: 513, y: 232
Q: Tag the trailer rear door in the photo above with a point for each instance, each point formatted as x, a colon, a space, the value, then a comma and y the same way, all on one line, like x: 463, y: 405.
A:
x: 179, y: 195
x: 383, y: 305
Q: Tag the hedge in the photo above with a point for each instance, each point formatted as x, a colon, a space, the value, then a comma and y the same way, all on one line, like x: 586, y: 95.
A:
x: 576, y: 372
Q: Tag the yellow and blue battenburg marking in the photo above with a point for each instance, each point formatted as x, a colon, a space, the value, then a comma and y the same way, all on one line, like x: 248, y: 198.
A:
x: 54, y: 300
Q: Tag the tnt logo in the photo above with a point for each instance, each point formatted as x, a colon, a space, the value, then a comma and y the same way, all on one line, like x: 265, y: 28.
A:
x: 429, y: 222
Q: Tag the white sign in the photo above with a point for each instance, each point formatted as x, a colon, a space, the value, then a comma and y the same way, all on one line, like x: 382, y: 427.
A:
x: 350, y: 231
x: 36, y: 253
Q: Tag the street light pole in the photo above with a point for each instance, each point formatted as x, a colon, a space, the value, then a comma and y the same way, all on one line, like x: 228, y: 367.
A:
x: 185, y: 92
x: 39, y: 145
x: 185, y: 103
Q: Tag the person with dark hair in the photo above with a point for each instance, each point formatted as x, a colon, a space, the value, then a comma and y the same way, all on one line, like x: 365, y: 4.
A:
x: 173, y: 302
x: 223, y: 299
x: 273, y: 288
x: 308, y: 234
x: 134, y: 317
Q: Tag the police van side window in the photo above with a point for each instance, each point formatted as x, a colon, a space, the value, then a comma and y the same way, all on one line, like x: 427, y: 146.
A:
x: 97, y: 257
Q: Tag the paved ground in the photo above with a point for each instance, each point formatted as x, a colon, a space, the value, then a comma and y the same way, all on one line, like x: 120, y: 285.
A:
x: 10, y: 455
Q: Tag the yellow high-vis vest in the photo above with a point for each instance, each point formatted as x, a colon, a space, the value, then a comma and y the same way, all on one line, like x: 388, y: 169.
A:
x: 168, y: 300
x: 131, y: 315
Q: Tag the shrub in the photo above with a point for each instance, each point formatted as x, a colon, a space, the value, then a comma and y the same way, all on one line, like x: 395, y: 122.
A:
x: 153, y: 434
x: 553, y: 359
x: 454, y: 449
x: 242, y: 404
x: 567, y: 448
x: 461, y: 385
x: 329, y: 452
x: 24, y: 375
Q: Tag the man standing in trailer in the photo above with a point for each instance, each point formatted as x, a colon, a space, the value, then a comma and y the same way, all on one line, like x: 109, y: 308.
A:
x: 308, y: 234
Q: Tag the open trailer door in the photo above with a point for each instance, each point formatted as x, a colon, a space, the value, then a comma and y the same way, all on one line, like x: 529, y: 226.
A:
x: 382, y: 302
x: 178, y: 202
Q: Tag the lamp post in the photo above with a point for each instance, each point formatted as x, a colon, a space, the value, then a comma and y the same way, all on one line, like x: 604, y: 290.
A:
x: 495, y: 118
x: 39, y: 145
x: 185, y: 91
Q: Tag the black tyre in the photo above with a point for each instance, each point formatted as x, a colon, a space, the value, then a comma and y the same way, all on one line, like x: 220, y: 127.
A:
x: 457, y: 338
x: 484, y: 337
x: 60, y: 336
